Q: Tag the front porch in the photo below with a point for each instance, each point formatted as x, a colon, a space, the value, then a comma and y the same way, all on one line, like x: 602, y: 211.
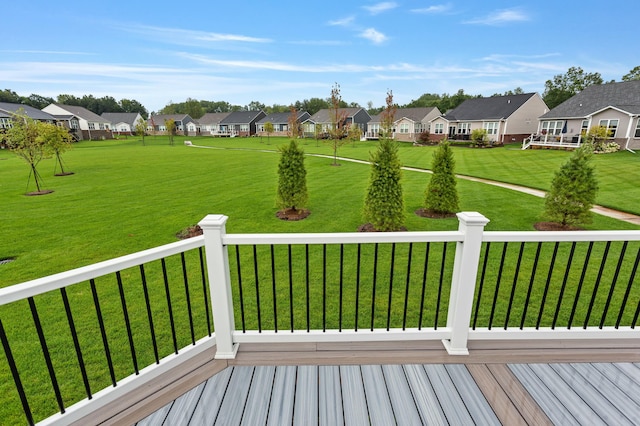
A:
x: 552, y: 141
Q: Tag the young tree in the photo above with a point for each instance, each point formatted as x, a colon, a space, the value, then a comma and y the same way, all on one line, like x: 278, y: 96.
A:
x: 268, y: 127
x: 384, y: 205
x: 388, y: 116
x: 170, y: 125
x: 293, y: 123
x: 573, y: 190
x: 338, y: 118
x: 441, y: 196
x: 141, y: 129
x: 292, y: 193
x: 23, y: 139
x: 354, y: 134
x: 57, y: 141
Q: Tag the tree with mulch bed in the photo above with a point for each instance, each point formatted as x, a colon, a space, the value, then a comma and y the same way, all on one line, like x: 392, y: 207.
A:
x: 441, y: 195
x: 384, y: 204
x: 572, y: 194
x: 292, y: 195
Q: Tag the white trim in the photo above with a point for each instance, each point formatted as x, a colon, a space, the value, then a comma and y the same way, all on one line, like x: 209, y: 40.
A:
x: 558, y: 333
x: 362, y: 335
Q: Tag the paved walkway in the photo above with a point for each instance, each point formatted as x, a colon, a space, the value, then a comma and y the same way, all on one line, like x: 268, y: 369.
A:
x: 604, y: 211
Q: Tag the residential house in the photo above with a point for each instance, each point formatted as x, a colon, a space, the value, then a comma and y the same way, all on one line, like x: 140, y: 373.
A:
x: 240, y: 123
x: 123, y: 122
x: 323, y: 122
x: 615, y: 106
x: 280, y: 121
x: 156, y: 123
x: 506, y: 119
x: 408, y: 123
x: 9, y: 110
x: 92, y: 126
x: 210, y: 122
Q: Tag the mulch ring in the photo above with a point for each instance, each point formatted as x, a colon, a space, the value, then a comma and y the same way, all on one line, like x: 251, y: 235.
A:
x: 43, y: 192
x: 434, y: 215
x: 188, y: 232
x: 555, y: 226
x: 292, y: 214
x: 368, y: 227
x: 64, y: 174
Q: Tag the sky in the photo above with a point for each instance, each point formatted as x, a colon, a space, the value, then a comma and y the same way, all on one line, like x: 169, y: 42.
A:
x: 280, y: 52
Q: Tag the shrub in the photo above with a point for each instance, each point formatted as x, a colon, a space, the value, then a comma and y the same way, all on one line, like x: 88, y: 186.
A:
x: 292, y: 178
x: 479, y: 138
x: 441, y: 195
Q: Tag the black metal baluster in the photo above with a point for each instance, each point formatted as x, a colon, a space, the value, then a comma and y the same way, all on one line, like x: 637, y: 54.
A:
x: 440, y: 284
x: 16, y: 376
x: 564, y: 285
x: 514, y: 285
x: 623, y: 305
x: 240, y: 292
x: 306, y: 272
x: 340, y: 282
x: 373, y: 287
x: 290, y: 288
x: 357, y: 288
x: 391, y: 268
x: 46, y: 354
x: 76, y: 342
x: 103, y: 331
x: 169, y: 305
x: 534, y: 269
x: 481, y: 285
x: 424, y: 284
x: 145, y: 288
x: 498, y: 281
x: 597, y: 284
x: 127, y: 323
x: 547, y: 284
x: 406, y: 290
x: 188, y: 297
x: 255, y: 271
x: 273, y: 289
x: 205, y: 290
x: 585, y: 265
x: 613, y: 283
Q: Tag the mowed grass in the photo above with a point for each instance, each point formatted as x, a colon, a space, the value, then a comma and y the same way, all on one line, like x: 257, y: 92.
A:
x: 125, y: 197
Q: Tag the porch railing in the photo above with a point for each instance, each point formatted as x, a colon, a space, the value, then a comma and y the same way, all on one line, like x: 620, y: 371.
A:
x: 117, y: 324
x: 562, y: 140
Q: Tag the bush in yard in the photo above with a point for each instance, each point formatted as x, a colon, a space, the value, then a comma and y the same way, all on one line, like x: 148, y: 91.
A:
x: 599, y: 137
x: 479, y: 138
x: 292, y: 193
x: 441, y: 196
x: 384, y: 205
x: 573, y: 190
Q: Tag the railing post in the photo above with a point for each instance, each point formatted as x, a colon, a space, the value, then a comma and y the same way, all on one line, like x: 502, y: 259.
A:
x: 213, y: 228
x: 463, y: 282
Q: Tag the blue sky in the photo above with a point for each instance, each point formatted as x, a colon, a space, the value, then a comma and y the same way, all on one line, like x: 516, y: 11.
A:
x: 280, y: 52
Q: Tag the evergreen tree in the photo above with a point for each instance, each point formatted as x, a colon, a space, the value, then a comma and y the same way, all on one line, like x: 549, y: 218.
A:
x: 441, y: 196
x: 292, y: 179
x: 573, y: 190
x: 384, y: 205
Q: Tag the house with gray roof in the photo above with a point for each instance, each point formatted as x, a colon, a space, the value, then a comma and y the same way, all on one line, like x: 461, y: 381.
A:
x: 240, y: 123
x: 210, y: 123
x: 615, y: 106
x: 320, y: 123
x: 185, y: 125
x: 92, y: 126
x: 408, y: 123
x: 9, y: 110
x: 123, y: 122
x: 506, y: 119
x: 280, y: 121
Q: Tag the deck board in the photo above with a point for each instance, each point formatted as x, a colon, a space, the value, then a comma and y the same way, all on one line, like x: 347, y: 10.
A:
x: 474, y: 400
x: 354, y: 401
x: 404, y: 406
x: 305, y: 411
x: 377, y: 395
x: 257, y: 406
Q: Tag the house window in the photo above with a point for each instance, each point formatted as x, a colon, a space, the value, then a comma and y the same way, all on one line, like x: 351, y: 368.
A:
x: 611, y: 125
x: 101, y: 126
x: 92, y: 126
x: 404, y: 128
x: 585, y: 126
x: 552, y: 127
x: 637, y: 135
x: 244, y: 127
x: 463, y: 128
x: 439, y: 129
x: 491, y: 127
x: 5, y: 123
x: 74, y: 124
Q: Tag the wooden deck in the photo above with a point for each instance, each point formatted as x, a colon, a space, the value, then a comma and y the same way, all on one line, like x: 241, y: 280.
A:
x: 512, y: 383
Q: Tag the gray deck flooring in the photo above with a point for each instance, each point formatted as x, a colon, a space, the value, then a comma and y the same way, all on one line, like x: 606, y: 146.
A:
x: 568, y: 393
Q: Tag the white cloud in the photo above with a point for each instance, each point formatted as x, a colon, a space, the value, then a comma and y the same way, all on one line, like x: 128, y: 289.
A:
x: 375, y: 36
x: 187, y: 37
x: 438, y: 8
x: 381, y: 7
x: 344, y: 22
x: 500, y: 17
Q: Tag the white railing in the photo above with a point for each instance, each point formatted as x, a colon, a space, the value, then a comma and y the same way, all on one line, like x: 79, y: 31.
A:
x: 562, y: 140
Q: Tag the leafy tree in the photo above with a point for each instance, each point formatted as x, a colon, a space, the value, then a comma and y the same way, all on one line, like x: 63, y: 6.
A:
x: 573, y: 190
x: 337, y: 117
x: 57, y: 140
x: 131, y: 105
x: 634, y: 74
x: 268, y: 127
x: 564, y: 86
x: 9, y: 96
x: 600, y: 138
x: 441, y: 196
x: 292, y: 193
x: 170, y: 125
x: 141, y: 129
x: 23, y: 139
x: 388, y: 116
x: 193, y: 108
x: 354, y: 133
x: 384, y: 205
x: 255, y: 106
x: 293, y: 123
x: 38, y: 101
